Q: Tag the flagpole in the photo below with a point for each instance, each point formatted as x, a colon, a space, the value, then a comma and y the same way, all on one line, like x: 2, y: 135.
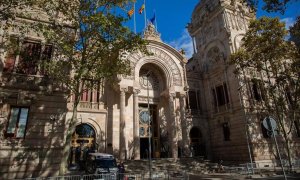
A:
x: 134, y: 21
x: 155, y: 20
x: 145, y: 15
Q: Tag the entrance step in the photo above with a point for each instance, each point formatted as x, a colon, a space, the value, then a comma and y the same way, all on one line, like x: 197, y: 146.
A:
x: 191, y: 165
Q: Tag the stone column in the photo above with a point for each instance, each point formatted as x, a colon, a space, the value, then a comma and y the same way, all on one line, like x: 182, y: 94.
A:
x: 184, y: 128
x: 136, y: 125
x: 122, y: 148
x: 172, y: 127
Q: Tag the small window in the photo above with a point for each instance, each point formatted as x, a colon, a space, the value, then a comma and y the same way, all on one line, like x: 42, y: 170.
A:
x: 226, y: 131
x: 91, y: 91
x: 29, y: 57
x: 257, y: 89
x: 17, y: 122
x: 193, y: 100
x: 11, y: 54
x: 220, y: 95
x: 297, y: 128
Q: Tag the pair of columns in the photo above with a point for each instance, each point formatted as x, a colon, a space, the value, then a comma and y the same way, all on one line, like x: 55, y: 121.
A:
x: 173, y: 125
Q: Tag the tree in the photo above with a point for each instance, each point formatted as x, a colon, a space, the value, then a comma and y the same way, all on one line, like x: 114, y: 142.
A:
x: 276, y: 60
x: 271, y: 5
x: 91, y: 44
x: 9, y: 11
x: 295, y: 33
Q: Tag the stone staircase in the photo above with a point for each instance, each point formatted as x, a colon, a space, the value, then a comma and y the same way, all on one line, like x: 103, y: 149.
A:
x: 168, y: 165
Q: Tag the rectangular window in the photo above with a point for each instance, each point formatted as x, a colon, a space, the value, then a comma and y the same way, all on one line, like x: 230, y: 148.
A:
x: 91, y: 91
x: 193, y: 100
x: 9, y: 62
x: 220, y: 95
x: 28, y: 58
x: 297, y: 128
x: 226, y: 131
x: 17, y: 122
x: 257, y: 90
x: 46, y: 57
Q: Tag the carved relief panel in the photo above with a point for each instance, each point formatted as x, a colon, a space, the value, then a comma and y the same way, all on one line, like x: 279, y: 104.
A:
x: 161, y: 55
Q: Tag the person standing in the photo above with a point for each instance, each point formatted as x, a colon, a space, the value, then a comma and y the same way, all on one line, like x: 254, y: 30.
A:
x: 121, y: 170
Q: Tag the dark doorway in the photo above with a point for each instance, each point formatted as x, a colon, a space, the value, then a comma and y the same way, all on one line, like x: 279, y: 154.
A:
x: 197, y: 145
x: 148, y: 128
x: 83, y: 142
x: 144, y: 147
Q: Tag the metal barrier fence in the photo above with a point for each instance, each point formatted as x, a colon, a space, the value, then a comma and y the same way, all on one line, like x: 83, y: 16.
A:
x: 93, y: 177
x: 157, y: 175
x: 166, y: 175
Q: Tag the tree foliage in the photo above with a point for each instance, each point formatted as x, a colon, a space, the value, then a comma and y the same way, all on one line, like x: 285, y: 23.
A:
x: 91, y: 45
x: 295, y: 33
x: 271, y: 5
x: 266, y: 51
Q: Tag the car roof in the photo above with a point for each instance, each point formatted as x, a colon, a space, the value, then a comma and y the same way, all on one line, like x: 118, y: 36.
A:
x: 102, y: 155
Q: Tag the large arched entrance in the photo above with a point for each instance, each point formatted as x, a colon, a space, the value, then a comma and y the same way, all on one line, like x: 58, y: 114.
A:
x: 83, y: 140
x: 152, y: 82
x: 197, y: 142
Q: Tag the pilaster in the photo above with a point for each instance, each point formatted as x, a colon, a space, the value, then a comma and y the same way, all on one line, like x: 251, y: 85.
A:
x: 136, y: 134
x: 172, y: 127
x: 123, y: 147
x: 184, y: 128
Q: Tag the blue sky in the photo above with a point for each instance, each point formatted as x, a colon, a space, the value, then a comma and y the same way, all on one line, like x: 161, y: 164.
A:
x: 173, y: 15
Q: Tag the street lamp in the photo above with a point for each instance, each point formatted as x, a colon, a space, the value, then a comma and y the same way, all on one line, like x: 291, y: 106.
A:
x: 149, y: 123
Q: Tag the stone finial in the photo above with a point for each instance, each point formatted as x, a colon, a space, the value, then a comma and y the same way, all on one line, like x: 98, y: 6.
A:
x: 151, y: 33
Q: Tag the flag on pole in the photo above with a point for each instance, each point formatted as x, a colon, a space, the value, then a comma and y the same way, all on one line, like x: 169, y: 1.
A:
x: 153, y: 19
x: 142, y: 9
x: 130, y: 12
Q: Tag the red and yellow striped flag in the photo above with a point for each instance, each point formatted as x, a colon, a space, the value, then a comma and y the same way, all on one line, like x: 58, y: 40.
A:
x: 130, y: 12
x: 142, y: 9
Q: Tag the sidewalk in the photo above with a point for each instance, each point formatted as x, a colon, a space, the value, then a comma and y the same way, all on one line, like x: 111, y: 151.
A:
x: 230, y: 176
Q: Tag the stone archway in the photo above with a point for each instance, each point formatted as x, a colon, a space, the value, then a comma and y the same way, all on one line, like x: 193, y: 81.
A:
x: 83, y: 140
x: 152, y: 82
x: 197, y: 142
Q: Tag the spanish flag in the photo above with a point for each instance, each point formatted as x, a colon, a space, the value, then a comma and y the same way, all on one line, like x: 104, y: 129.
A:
x: 142, y: 9
x: 130, y: 12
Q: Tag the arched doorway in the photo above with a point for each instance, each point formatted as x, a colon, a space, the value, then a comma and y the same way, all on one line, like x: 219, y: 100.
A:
x: 197, y: 142
x: 152, y: 82
x: 83, y: 140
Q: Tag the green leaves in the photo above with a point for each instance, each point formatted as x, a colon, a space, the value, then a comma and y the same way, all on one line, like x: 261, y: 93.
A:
x: 90, y: 38
x: 270, y: 5
x: 267, y: 56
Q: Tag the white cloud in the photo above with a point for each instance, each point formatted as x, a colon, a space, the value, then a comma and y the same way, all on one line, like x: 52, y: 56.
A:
x: 289, y: 21
x: 184, y: 42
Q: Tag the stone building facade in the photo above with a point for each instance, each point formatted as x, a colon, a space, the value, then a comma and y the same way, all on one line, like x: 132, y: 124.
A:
x: 112, y: 117
x: 195, y: 105
x: 224, y: 102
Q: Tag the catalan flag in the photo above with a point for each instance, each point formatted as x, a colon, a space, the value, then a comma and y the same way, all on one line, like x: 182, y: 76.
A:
x: 142, y: 9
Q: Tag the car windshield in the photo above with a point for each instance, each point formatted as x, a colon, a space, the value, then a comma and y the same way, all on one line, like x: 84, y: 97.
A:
x: 106, y: 163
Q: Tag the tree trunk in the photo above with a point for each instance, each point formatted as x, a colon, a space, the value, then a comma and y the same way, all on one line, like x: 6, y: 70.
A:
x: 288, y: 150
x: 68, y: 136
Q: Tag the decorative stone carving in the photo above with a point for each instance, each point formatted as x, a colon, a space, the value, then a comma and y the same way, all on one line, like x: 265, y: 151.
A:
x: 159, y: 54
x: 213, y: 58
x: 151, y: 33
x: 152, y: 80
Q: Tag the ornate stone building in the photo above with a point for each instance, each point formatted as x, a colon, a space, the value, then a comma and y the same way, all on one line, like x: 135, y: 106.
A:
x: 224, y: 112
x: 113, y: 117
x: 121, y: 124
x: 195, y: 106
